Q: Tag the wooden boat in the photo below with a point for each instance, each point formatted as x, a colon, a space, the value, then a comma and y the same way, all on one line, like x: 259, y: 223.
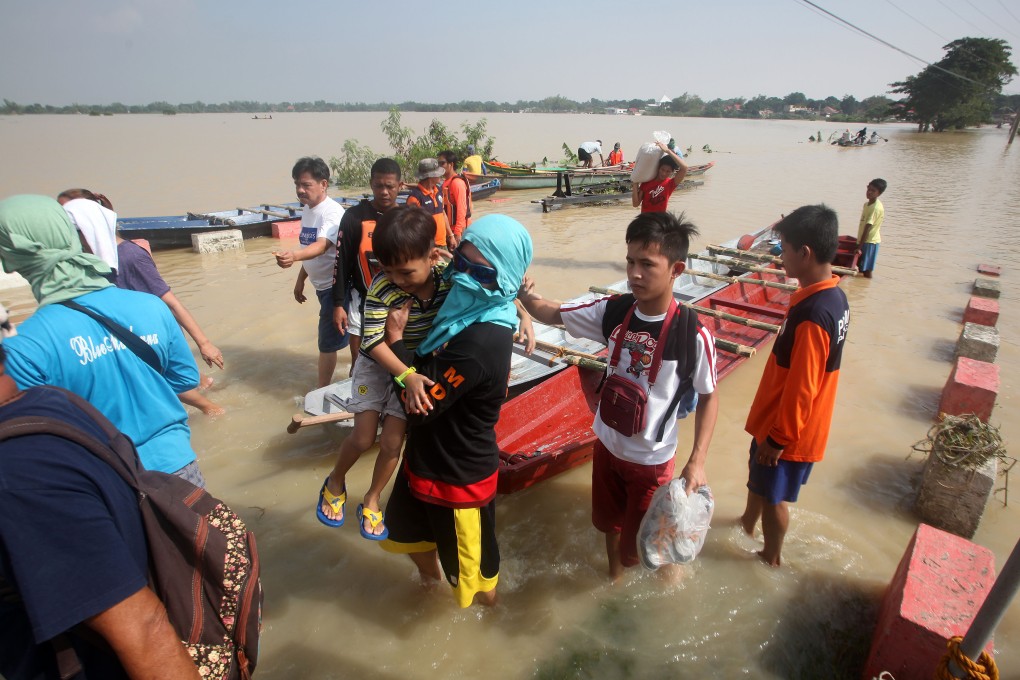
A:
x: 174, y: 231
x: 548, y: 180
x: 601, y: 195
x: 547, y: 430
x: 502, y: 169
x: 695, y: 170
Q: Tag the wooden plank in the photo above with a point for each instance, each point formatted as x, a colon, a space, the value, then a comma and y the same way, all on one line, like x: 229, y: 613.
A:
x: 738, y: 279
x: 269, y: 213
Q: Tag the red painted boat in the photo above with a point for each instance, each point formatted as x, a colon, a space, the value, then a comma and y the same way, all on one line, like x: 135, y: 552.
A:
x: 547, y: 429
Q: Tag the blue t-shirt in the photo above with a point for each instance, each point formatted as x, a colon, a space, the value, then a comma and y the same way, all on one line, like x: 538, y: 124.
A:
x: 71, y: 540
x: 64, y: 347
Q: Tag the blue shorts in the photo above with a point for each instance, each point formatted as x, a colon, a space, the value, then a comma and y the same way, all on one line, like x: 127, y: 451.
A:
x: 776, y: 484
x: 330, y: 339
x: 869, y: 253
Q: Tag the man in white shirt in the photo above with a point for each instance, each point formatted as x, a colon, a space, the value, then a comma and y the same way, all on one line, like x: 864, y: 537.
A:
x: 320, y: 225
x: 585, y: 151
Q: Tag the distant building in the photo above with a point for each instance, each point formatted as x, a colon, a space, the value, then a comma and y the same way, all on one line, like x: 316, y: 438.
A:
x: 829, y: 111
x: 612, y: 111
x: 766, y: 113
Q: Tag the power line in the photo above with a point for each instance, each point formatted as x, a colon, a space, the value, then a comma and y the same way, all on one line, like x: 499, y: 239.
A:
x: 963, y: 18
x: 918, y: 21
x: 994, y: 22
x: 891, y: 46
x: 1009, y: 12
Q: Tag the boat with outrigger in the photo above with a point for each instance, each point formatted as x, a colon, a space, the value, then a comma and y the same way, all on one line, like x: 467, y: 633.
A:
x: 739, y: 292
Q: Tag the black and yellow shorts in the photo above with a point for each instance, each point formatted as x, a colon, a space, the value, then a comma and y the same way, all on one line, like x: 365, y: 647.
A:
x: 465, y: 539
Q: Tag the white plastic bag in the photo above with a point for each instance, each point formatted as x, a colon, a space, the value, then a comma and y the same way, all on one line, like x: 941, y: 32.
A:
x: 673, y: 529
x: 662, y: 136
x: 646, y: 163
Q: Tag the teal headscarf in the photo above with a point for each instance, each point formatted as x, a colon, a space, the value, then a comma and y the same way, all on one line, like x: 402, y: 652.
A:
x: 507, y: 245
x: 38, y: 241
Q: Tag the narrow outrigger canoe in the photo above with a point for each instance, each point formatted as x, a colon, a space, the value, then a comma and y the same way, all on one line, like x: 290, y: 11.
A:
x: 174, y: 231
x: 598, y: 195
x: 548, y: 180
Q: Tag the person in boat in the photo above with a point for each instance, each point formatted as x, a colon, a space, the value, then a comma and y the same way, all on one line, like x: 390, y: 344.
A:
x: 62, y: 345
x: 862, y: 136
x: 629, y: 464
x: 320, y: 228
x: 585, y: 153
x: 427, y: 195
x: 869, y: 234
x: 874, y: 137
x: 356, y: 263
x: 473, y: 163
x: 73, y: 557
x: 792, y: 410
x: 653, y: 195
x: 442, y: 512
x: 845, y: 137
x: 616, y: 155
x: 456, y: 192
x: 136, y: 270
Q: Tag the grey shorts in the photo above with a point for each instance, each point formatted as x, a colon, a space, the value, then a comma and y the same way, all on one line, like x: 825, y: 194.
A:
x: 191, y: 473
x: 373, y: 389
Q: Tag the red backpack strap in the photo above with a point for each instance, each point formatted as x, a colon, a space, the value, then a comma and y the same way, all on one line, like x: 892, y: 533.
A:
x: 660, y: 344
x: 615, y: 359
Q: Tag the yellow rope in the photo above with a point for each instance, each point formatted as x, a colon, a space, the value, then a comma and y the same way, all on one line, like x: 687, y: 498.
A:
x: 984, y: 669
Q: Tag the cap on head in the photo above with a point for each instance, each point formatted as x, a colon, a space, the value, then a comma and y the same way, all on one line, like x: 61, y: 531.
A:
x: 429, y: 167
x: 471, y: 148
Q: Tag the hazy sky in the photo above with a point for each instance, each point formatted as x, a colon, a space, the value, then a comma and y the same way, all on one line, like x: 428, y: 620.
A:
x: 138, y: 51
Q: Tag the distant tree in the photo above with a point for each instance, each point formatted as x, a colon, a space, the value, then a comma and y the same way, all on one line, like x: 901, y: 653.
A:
x: 959, y: 90
x: 848, y: 105
x: 687, y: 105
x: 876, y: 108
x: 795, y: 99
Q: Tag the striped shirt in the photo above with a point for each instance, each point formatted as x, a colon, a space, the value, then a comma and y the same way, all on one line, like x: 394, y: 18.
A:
x: 384, y: 295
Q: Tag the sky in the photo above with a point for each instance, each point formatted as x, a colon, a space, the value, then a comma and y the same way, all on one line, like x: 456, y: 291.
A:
x: 61, y: 52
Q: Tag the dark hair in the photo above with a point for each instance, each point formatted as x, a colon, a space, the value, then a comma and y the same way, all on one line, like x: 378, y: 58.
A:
x: 668, y: 160
x: 71, y: 194
x: 404, y: 234
x: 450, y: 157
x: 672, y: 233
x: 814, y: 226
x: 3, y: 355
x: 313, y: 165
x: 385, y: 166
x: 879, y: 184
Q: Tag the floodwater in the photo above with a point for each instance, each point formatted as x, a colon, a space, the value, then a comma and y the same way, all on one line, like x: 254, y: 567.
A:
x: 337, y: 606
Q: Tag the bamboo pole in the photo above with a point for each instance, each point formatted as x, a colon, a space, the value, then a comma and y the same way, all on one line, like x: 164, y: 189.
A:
x: 561, y: 350
x: 743, y: 265
x: 734, y: 348
x: 737, y: 279
x: 707, y: 311
x: 269, y: 213
x: 763, y: 257
x: 300, y: 420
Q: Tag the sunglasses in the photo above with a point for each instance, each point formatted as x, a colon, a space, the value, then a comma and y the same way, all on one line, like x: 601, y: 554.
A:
x: 479, y: 272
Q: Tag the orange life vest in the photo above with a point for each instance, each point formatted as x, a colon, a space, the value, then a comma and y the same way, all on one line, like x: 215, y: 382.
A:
x: 451, y: 208
x: 615, y: 157
x: 432, y: 204
x: 366, y: 257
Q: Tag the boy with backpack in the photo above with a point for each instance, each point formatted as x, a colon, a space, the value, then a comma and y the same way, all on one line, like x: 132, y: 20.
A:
x: 659, y: 352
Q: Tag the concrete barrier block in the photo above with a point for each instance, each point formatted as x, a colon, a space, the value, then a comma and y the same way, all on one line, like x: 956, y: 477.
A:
x: 980, y: 343
x: 953, y: 499
x: 972, y: 388
x: 937, y: 589
x: 217, y: 241
x: 989, y: 269
x: 987, y: 288
x: 287, y: 229
x: 982, y: 311
x: 144, y: 243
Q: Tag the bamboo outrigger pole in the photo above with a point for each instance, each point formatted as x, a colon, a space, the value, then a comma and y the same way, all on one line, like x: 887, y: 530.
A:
x: 772, y: 259
x: 707, y: 311
x: 743, y: 265
x: 737, y: 279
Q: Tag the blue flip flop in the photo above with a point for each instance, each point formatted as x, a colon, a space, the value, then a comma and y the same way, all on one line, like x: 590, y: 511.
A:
x: 375, y: 519
x: 335, y: 502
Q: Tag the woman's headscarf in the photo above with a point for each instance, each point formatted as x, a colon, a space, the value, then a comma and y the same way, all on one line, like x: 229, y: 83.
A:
x: 98, y: 225
x: 38, y: 241
x: 507, y: 245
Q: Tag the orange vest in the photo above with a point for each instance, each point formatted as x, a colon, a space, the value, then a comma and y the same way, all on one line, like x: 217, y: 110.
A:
x: 432, y: 203
x: 451, y: 208
x: 366, y: 257
x: 615, y: 157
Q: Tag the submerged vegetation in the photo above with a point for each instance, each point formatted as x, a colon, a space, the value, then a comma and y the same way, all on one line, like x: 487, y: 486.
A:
x: 353, y: 166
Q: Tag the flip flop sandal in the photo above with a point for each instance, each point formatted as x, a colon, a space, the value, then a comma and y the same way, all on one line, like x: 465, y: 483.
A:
x: 375, y: 518
x: 335, y: 502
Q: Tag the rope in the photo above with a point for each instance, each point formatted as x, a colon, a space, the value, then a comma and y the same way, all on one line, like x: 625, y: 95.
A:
x: 984, y: 669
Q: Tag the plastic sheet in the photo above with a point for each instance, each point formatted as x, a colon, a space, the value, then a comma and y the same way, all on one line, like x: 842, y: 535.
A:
x: 646, y: 163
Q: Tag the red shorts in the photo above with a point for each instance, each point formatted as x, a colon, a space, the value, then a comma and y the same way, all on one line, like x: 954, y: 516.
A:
x: 620, y: 494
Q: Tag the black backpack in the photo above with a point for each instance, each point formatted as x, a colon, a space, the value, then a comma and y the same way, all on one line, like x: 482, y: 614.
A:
x: 203, y: 564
